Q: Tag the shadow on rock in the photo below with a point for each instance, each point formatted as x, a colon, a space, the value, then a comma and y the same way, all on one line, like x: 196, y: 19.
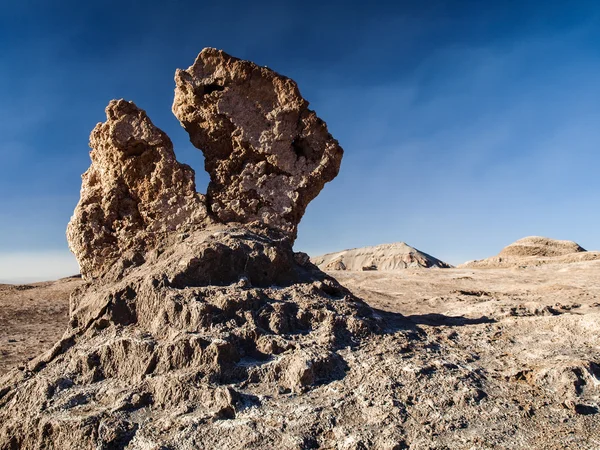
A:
x: 434, y: 319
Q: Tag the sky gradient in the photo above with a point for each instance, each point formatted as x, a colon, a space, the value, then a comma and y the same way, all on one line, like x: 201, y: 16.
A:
x: 466, y: 125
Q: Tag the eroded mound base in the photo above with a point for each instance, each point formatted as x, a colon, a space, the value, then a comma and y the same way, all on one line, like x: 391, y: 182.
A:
x: 535, y: 251
x: 168, y: 340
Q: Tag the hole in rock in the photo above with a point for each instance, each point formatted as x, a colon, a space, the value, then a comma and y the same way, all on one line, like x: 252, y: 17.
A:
x: 209, y: 88
x: 136, y: 149
x: 301, y: 148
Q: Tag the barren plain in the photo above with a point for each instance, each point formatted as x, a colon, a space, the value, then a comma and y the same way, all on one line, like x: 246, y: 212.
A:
x: 471, y: 358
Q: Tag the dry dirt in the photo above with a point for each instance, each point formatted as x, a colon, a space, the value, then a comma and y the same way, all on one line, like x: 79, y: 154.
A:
x: 496, y: 358
x: 32, y: 318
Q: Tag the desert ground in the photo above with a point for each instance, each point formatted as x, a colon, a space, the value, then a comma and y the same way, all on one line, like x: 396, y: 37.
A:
x: 32, y: 318
x: 490, y: 357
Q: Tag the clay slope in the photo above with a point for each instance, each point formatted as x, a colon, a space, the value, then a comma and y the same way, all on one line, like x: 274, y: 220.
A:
x: 381, y: 257
x: 536, y: 251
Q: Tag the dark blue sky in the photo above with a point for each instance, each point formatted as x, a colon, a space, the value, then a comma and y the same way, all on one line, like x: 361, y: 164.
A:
x: 466, y: 124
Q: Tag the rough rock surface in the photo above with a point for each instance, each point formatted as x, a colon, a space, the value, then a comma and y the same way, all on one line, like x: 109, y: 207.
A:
x: 149, y: 358
x: 184, y: 314
x: 267, y: 153
x: 192, y: 333
x: 480, y: 359
x: 385, y: 257
x: 134, y: 194
x: 535, y: 251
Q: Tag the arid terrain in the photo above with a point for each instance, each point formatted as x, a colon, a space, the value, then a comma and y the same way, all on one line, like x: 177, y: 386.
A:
x: 196, y: 325
x: 32, y: 318
x: 482, y: 358
x: 396, y: 256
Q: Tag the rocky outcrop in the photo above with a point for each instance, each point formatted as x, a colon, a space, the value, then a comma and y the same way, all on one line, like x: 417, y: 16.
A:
x: 188, y: 311
x: 134, y: 194
x: 150, y: 348
x: 166, y: 341
x: 535, y: 251
x: 267, y: 153
x: 383, y: 257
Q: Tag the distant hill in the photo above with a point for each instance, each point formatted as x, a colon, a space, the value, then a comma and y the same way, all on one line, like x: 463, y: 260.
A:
x: 385, y: 257
x: 535, y: 251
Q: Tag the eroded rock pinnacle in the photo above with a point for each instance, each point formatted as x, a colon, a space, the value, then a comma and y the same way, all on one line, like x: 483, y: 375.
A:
x: 133, y: 195
x: 267, y: 153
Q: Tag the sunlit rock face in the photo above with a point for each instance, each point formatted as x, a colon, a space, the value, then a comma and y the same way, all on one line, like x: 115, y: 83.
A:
x: 193, y: 306
x: 134, y: 194
x: 267, y: 153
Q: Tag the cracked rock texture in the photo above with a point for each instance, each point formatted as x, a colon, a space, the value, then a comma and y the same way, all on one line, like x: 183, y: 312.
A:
x: 166, y: 342
x: 267, y: 153
x: 479, y: 359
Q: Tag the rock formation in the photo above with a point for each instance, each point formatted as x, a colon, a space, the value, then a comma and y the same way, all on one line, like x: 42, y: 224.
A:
x: 384, y: 257
x: 184, y: 311
x: 540, y: 247
x: 267, y: 154
x: 197, y: 326
x: 535, y: 251
x: 134, y: 194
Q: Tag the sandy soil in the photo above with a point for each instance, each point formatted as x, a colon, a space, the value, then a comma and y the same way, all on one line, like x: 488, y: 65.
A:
x: 480, y: 295
x: 32, y: 318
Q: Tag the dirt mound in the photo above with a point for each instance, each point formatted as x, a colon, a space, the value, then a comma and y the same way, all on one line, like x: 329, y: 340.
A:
x: 540, y: 246
x: 536, y: 251
x: 381, y: 257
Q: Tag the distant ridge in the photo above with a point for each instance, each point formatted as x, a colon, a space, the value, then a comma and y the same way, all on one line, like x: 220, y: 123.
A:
x: 386, y: 257
x: 535, y: 251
